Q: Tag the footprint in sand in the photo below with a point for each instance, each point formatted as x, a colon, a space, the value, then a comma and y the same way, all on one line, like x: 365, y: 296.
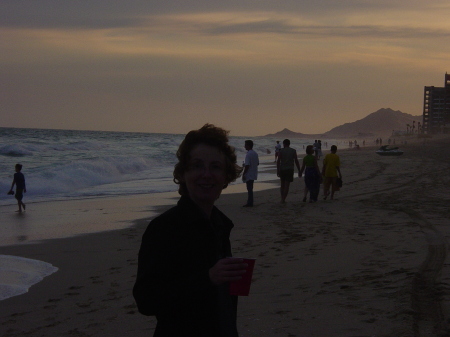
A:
x: 115, y: 270
x: 132, y: 307
x: 84, y: 305
x: 132, y: 262
x: 20, y: 313
x: 54, y: 300
x: 96, y: 279
x: 75, y: 287
x: 72, y: 294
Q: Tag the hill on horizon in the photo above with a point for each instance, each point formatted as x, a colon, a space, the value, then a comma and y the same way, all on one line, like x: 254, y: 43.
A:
x: 380, y: 123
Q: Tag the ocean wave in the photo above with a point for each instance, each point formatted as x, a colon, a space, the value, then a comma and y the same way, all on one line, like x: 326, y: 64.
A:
x: 15, y: 151
x: 77, y: 146
x: 77, y: 175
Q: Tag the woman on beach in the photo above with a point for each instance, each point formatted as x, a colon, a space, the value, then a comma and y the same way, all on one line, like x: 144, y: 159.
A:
x: 331, y: 171
x: 184, y: 267
x: 313, y: 177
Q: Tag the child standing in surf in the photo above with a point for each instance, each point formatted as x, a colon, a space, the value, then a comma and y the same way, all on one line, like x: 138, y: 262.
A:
x: 19, y: 181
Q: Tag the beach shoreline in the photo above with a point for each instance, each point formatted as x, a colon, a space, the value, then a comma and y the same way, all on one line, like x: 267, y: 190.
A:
x: 372, y: 262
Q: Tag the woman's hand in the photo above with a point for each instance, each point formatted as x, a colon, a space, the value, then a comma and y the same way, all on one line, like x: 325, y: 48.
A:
x: 227, y: 270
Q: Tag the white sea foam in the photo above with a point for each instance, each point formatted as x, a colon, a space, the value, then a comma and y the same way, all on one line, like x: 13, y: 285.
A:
x: 15, y: 150
x: 18, y: 274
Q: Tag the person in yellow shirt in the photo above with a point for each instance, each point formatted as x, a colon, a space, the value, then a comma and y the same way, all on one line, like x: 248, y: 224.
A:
x: 331, y: 170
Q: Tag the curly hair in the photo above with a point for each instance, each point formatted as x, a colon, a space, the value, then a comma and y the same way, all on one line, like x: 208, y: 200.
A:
x: 210, y: 135
x: 309, y: 149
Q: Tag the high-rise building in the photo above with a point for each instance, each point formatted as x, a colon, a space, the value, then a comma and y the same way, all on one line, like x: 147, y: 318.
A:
x: 436, y: 108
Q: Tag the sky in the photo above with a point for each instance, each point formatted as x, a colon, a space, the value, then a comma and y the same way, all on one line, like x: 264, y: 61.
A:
x: 253, y: 67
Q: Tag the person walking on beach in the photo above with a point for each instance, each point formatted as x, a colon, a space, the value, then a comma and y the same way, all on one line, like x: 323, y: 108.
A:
x: 285, y: 168
x: 250, y: 174
x: 313, y: 177
x: 277, y: 150
x: 185, y: 264
x: 316, y: 148
x: 19, y: 181
x: 331, y: 170
x: 319, y: 149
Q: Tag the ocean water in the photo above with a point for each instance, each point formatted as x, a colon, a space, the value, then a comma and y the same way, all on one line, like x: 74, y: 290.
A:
x: 68, y: 164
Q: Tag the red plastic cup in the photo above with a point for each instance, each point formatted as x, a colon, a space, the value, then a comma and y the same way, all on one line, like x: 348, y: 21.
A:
x: 242, y: 287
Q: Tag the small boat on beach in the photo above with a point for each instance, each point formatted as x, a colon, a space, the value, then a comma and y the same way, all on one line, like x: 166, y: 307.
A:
x: 386, y: 151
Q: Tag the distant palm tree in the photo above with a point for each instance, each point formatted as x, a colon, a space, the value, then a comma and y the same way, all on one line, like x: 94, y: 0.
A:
x: 413, y: 126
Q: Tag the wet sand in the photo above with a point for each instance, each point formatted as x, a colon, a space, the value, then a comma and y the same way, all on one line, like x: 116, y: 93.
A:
x: 370, y: 263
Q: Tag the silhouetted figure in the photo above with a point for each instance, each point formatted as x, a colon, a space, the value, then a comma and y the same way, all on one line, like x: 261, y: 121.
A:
x: 250, y: 174
x: 277, y: 150
x: 184, y: 267
x: 19, y: 181
x: 331, y: 170
x: 285, y: 168
x: 312, y: 175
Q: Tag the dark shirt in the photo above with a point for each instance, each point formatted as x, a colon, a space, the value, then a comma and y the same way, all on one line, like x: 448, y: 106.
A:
x: 178, y: 249
x: 19, y: 180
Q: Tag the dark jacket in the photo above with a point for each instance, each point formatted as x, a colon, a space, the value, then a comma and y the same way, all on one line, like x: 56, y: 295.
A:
x: 178, y: 249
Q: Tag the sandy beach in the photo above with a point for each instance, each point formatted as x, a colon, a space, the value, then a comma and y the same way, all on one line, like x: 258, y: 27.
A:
x: 370, y: 263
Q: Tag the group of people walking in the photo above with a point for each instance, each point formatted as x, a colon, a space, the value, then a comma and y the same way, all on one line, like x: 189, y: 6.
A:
x: 287, y: 159
x: 329, y: 175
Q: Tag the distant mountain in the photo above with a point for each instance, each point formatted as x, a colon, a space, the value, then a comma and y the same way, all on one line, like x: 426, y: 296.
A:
x: 286, y: 133
x: 377, y: 124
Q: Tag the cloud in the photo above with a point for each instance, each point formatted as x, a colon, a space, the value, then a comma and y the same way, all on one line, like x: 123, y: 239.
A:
x: 57, y: 14
x: 283, y: 27
x: 145, y: 65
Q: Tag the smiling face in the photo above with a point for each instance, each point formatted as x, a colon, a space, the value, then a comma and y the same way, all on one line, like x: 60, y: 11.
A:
x: 205, y: 177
